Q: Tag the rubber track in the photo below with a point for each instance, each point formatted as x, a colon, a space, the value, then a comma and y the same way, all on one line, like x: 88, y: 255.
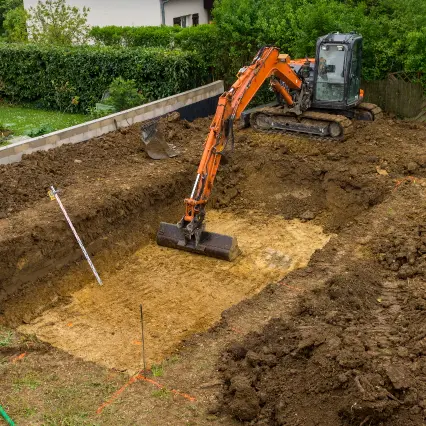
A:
x: 373, y: 108
x: 344, y: 123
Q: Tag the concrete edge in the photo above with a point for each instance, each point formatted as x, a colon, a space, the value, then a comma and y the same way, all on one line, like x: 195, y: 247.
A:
x: 91, y: 129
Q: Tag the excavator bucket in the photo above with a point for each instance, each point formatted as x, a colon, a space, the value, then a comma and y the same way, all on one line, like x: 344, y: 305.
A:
x: 154, y: 142
x: 211, y: 244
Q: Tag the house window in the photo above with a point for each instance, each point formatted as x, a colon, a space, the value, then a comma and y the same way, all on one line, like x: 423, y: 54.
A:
x: 195, y: 19
x: 181, y: 21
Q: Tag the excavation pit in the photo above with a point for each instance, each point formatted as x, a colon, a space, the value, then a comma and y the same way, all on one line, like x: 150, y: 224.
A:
x: 282, y: 197
x: 181, y: 293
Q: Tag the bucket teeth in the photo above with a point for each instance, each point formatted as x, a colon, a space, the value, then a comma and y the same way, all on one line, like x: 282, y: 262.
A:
x: 210, y: 244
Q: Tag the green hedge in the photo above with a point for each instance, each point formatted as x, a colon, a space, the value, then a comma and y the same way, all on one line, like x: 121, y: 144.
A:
x: 134, y: 36
x: 54, y: 75
x: 204, y: 39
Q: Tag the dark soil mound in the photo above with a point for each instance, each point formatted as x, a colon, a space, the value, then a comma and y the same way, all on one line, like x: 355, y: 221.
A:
x: 338, y: 362
x: 404, y: 250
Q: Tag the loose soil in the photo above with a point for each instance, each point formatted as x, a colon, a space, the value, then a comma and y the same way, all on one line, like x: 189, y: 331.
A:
x: 353, y: 350
x: 181, y: 294
x: 337, y: 342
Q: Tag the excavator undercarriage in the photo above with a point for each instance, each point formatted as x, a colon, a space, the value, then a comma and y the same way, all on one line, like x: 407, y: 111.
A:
x: 324, y: 125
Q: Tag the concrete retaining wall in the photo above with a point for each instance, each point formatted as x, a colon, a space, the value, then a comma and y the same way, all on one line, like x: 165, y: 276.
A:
x: 91, y: 129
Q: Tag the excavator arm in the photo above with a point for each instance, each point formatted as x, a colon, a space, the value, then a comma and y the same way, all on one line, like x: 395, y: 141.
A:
x: 267, y: 63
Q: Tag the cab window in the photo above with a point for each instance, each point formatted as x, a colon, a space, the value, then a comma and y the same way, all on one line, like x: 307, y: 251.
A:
x: 331, y: 73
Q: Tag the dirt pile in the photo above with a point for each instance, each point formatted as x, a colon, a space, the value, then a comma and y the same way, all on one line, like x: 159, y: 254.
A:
x: 24, y: 183
x: 309, y: 179
x: 404, y: 250
x: 354, y: 350
x: 338, y: 362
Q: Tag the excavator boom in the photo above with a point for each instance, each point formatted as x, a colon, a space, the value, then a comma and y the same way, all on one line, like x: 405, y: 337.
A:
x: 189, y: 233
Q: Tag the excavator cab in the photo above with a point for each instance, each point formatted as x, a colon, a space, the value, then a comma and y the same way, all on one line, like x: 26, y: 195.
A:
x: 337, y: 75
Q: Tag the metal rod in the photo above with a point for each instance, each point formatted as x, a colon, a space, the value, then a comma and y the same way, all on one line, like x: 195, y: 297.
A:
x: 143, y: 342
x: 80, y: 243
x: 195, y: 186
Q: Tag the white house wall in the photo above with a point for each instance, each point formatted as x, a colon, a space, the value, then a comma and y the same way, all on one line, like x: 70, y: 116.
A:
x: 178, y: 8
x: 119, y: 12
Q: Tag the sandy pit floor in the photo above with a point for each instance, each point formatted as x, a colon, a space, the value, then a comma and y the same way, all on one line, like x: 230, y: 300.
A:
x: 181, y: 293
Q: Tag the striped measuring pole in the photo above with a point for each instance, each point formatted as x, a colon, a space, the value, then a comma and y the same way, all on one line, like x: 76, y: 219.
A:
x: 53, y: 194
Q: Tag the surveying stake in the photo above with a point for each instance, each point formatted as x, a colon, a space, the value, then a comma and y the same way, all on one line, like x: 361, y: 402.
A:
x: 53, y: 194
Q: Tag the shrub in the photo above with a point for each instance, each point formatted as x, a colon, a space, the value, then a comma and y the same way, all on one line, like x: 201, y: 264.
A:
x: 56, y: 76
x: 123, y: 94
x: 202, y: 39
x: 206, y: 42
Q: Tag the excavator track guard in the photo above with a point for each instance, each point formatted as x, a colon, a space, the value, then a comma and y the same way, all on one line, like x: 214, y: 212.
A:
x: 220, y: 246
x: 316, y: 124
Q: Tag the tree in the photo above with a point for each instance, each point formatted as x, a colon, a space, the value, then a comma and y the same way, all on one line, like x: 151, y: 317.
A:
x: 5, y: 6
x: 15, y: 25
x: 54, y: 22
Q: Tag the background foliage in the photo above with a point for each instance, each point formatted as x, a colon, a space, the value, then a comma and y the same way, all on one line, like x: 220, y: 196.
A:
x: 393, y: 30
x: 166, y: 60
x: 388, y: 27
x: 75, y: 78
x: 5, y: 6
x: 134, y: 36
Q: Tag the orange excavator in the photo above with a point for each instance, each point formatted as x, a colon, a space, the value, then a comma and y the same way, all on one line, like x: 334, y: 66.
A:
x: 317, y: 97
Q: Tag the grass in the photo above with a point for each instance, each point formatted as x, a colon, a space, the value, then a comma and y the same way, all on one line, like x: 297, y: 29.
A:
x: 157, y: 370
x: 29, y: 381
x: 5, y: 338
x: 74, y: 419
x: 161, y: 393
x: 23, y: 120
x: 29, y: 411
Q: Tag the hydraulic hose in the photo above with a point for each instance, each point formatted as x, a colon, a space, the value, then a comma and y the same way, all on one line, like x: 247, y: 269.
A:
x: 9, y: 421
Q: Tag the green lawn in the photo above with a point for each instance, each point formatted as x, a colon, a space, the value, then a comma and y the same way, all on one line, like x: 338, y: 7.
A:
x: 21, y: 120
